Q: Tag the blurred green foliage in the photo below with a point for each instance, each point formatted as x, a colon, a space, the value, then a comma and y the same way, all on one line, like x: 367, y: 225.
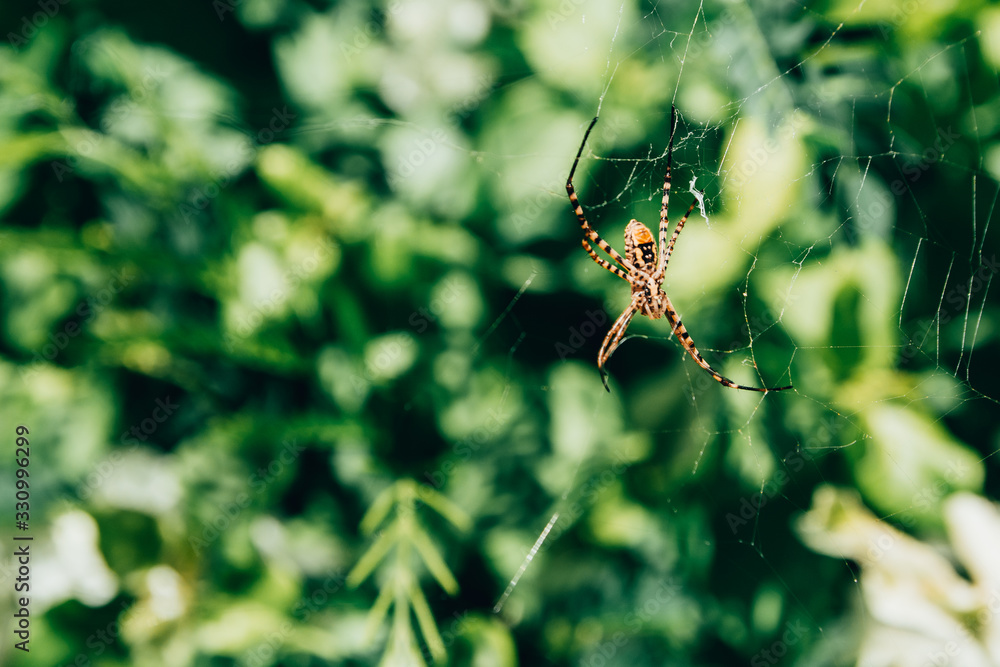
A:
x: 295, y: 309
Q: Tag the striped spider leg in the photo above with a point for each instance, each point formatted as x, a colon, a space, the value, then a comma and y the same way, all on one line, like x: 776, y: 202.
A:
x: 644, y: 269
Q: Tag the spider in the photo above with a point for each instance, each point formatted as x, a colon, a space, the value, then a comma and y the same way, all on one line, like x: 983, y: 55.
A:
x: 644, y: 269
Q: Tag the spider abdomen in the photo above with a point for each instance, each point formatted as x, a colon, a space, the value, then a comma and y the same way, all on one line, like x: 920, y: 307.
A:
x: 640, y: 248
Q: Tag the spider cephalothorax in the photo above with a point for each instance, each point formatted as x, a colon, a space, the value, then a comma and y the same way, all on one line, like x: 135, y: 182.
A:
x: 644, y: 268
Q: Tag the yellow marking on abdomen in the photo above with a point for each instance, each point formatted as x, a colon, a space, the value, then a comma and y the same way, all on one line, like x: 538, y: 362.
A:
x: 642, y: 235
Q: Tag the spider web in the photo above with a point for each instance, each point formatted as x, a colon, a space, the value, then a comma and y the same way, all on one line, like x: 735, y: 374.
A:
x: 807, y: 170
x: 842, y: 242
x: 816, y: 155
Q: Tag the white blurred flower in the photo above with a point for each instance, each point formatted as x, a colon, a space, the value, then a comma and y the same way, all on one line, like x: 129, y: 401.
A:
x: 73, y: 565
x: 925, y: 612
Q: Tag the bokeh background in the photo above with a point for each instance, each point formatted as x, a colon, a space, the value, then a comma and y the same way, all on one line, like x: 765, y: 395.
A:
x: 296, y: 313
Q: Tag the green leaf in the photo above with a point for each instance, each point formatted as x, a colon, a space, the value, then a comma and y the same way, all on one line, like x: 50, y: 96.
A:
x: 379, y: 610
x: 373, y: 556
x: 443, y: 506
x: 379, y: 510
x: 426, y: 621
x: 433, y: 560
